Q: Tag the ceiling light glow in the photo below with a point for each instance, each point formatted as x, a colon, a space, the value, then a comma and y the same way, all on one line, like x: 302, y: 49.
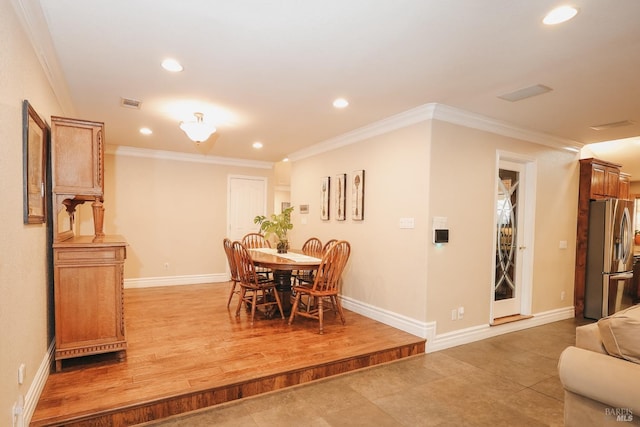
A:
x: 340, y: 103
x: 559, y: 15
x: 257, y: 145
x: 146, y: 131
x: 172, y: 65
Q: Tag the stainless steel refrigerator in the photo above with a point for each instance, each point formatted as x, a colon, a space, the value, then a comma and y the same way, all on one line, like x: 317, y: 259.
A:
x: 609, y: 272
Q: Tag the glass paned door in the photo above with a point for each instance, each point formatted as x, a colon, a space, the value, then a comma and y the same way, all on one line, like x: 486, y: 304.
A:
x: 506, y: 288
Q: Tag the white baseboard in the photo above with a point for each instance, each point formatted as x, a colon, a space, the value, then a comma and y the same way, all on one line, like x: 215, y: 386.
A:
x: 437, y: 342
x: 195, y: 279
x: 36, y: 387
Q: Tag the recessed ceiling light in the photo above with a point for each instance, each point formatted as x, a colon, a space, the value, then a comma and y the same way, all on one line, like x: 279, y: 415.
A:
x: 257, y: 145
x: 286, y: 159
x: 146, y: 131
x: 559, y: 15
x: 172, y: 65
x: 340, y: 103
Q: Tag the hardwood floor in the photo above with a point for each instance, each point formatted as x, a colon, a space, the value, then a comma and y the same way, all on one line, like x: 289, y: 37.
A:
x: 187, y: 351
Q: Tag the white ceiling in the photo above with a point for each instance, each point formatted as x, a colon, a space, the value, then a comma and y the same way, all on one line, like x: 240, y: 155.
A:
x: 269, y: 70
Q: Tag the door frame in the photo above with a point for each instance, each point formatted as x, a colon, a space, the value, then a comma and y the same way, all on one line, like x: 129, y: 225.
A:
x: 527, y: 228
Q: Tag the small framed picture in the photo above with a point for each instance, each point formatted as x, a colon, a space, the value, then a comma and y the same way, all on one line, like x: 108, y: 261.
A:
x: 304, y: 209
x: 325, y: 194
x: 357, y: 195
x: 341, y: 199
x: 34, y: 152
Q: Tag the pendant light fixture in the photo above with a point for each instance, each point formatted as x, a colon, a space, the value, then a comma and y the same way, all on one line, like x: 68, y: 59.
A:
x: 198, y: 131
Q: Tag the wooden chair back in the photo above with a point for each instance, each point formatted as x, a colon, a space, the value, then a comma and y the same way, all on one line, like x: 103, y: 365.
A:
x: 228, y: 250
x: 255, y: 240
x: 312, y: 247
x: 329, y: 272
x: 244, y: 263
x: 327, y: 245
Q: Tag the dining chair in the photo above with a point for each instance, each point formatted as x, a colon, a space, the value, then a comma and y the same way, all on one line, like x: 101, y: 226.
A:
x: 326, y: 284
x: 327, y: 245
x: 228, y: 250
x: 312, y: 247
x: 253, y: 291
x: 254, y: 241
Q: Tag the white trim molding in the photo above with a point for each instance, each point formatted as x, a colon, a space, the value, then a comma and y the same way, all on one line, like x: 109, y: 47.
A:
x: 435, y: 341
x: 36, y: 387
x: 121, y: 150
x: 445, y: 113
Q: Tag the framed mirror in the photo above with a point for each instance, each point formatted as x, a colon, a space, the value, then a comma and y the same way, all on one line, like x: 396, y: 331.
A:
x: 34, y: 155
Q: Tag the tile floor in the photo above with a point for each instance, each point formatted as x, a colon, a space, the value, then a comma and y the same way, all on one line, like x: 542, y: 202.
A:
x: 510, y: 380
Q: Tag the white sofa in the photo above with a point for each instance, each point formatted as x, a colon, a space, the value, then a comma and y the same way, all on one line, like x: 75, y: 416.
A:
x: 601, y: 374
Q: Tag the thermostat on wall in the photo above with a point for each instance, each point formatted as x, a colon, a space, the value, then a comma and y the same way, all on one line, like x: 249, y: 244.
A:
x: 440, y: 235
x: 440, y: 230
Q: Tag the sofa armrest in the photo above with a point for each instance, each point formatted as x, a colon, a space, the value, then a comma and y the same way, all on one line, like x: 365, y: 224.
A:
x: 606, y: 379
x: 588, y: 337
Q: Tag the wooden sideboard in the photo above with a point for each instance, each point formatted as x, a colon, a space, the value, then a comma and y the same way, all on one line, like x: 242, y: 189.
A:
x: 88, y: 270
x: 88, y: 286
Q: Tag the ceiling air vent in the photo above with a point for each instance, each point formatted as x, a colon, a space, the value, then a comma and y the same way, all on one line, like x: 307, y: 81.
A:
x: 130, y: 103
x: 525, y: 93
x: 612, y: 125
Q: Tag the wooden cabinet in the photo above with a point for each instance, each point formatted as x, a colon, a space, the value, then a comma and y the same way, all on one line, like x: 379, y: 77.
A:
x: 604, y: 178
x: 88, y: 286
x: 77, y: 167
x: 624, y: 186
x: 77, y: 152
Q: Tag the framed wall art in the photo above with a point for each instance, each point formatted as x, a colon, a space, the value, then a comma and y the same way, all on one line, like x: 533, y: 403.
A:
x: 325, y: 197
x: 341, y: 198
x: 357, y: 195
x: 34, y: 155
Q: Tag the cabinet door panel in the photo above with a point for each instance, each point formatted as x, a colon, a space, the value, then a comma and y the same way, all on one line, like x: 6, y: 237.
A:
x: 87, y: 304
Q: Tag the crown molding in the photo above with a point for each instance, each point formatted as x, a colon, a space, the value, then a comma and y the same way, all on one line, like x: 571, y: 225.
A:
x: 435, y: 111
x: 34, y: 23
x: 121, y: 150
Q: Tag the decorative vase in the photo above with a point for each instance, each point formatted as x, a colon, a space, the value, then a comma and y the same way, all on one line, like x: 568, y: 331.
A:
x: 637, y: 239
x: 282, y: 246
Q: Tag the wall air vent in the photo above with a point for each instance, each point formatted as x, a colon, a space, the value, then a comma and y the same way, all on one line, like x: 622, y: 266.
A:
x: 130, y: 103
x: 612, y: 125
x: 526, y: 92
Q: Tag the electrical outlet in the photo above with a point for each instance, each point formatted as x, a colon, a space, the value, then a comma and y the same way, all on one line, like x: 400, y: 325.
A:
x: 454, y: 314
x: 460, y: 312
x: 562, y: 295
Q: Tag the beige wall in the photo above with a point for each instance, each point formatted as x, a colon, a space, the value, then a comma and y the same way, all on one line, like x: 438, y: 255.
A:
x: 387, y: 265
x: 23, y: 271
x: 170, y: 211
x: 439, y: 169
x: 463, y: 166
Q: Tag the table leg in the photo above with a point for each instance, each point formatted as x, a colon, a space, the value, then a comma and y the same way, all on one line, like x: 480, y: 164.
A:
x: 282, y: 278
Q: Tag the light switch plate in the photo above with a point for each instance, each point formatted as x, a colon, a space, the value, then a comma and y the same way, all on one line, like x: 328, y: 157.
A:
x: 407, y: 223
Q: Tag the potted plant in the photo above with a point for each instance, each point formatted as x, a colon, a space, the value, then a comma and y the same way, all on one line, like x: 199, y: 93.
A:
x: 277, y: 225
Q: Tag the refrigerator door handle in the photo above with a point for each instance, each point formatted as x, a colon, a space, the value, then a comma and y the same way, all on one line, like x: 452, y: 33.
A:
x: 621, y: 276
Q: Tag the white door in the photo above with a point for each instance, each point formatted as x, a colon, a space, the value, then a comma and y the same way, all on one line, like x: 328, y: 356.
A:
x: 247, y: 198
x: 510, y: 240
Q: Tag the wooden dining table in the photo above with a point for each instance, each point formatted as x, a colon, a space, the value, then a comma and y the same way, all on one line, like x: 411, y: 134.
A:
x: 282, y: 266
